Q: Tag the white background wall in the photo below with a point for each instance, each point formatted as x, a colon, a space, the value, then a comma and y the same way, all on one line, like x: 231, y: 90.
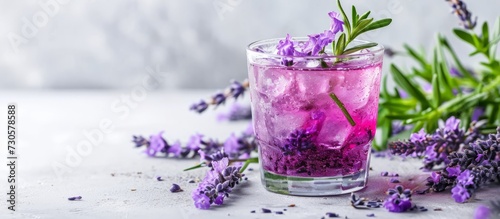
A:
x: 109, y: 44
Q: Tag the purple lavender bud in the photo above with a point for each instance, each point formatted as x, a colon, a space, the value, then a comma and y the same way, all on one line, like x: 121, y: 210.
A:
x: 460, y: 9
x: 331, y: 214
x: 278, y: 212
x: 158, y: 178
x: 219, y: 98
x: 477, y: 113
x: 175, y: 188
x: 236, y: 89
x: 265, y: 210
x: 385, y: 173
x: 394, y: 180
x: 140, y: 141
x: 75, y: 198
x: 199, y: 107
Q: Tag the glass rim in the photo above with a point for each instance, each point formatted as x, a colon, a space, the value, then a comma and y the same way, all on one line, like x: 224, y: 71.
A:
x: 251, y: 49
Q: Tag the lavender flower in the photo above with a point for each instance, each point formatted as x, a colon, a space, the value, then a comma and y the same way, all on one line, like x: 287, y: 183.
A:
x: 286, y: 48
x: 460, y: 9
x: 297, y: 142
x: 468, y: 169
x: 436, y: 147
x: 235, y: 90
x: 317, y: 43
x: 337, y: 23
x: 477, y: 113
x: 217, y: 185
x: 460, y: 194
x: 399, y: 199
x: 156, y: 144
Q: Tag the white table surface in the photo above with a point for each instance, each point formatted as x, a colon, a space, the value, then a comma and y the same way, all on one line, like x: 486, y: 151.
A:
x: 52, y: 122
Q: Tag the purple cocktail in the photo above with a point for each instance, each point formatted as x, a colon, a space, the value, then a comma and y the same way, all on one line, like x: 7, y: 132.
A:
x: 314, y: 118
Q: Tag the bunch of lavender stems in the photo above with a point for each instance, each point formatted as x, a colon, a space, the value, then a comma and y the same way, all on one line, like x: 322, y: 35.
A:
x: 436, y: 147
x: 477, y: 164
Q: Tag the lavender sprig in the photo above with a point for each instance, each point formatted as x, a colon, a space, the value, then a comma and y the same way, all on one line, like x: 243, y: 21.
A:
x: 436, y: 147
x: 460, y: 9
x: 469, y: 169
x: 235, y: 90
x: 217, y: 184
x: 208, y: 149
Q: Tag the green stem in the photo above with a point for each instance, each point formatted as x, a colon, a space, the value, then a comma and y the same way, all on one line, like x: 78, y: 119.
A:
x: 195, y: 167
x: 342, y: 107
x: 248, y: 162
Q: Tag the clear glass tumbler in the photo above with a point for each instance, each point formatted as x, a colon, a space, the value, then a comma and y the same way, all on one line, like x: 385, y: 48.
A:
x: 314, y: 117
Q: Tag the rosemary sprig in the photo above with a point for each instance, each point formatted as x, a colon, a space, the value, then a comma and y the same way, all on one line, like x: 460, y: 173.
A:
x: 358, y: 25
x: 344, y: 110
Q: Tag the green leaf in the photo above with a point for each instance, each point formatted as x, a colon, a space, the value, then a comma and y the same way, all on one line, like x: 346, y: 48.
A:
x: 359, y: 47
x: 485, y: 34
x: 340, y: 44
x: 477, y: 42
x: 365, y: 15
x: 408, y: 86
x: 465, y: 36
x: 386, y: 133
x: 385, y: 92
x: 445, y: 80
x: 436, y: 93
x: 418, y: 125
x: 402, y: 116
x: 458, y: 63
x: 496, y: 33
x: 361, y: 26
x: 347, y: 24
x: 494, y: 41
x: 377, y: 24
x: 355, y: 16
x: 421, y: 60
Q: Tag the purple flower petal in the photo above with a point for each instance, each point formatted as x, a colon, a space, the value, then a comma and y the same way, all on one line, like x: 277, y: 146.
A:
x: 219, y: 200
x: 219, y: 166
x: 453, y: 171
x: 201, y: 201
x: 460, y: 194
x: 337, y: 24
x: 157, y: 144
x: 482, y: 212
x: 465, y: 178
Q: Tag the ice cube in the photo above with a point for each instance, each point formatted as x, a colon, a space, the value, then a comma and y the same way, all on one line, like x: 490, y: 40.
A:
x: 335, y: 131
x: 357, y: 87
